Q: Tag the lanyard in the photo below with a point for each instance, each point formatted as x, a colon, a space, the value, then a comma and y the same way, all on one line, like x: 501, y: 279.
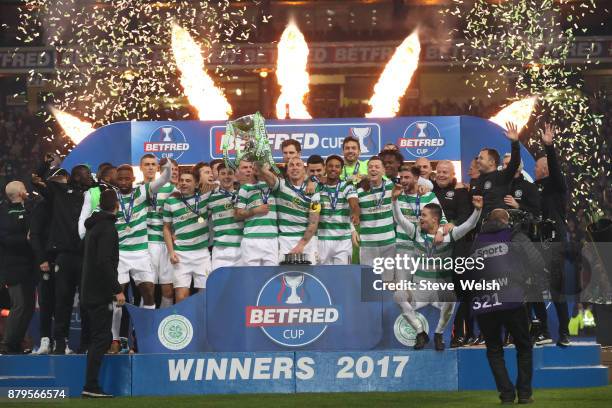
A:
x: 428, y: 244
x: 333, y: 198
x: 417, y: 206
x: 229, y: 194
x: 127, y: 215
x: 196, y: 198
x: 299, y: 192
x: 382, y: 194
x: 265, y: 196
x: 355, y: 170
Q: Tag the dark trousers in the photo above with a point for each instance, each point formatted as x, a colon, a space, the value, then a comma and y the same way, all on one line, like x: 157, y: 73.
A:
x: 516, y: 322
x: 46, y: 303
x: 464, y: 323
x: 539, y: 309
x: 100, y: 317
x: 67, y: 280
x: 22, y: 309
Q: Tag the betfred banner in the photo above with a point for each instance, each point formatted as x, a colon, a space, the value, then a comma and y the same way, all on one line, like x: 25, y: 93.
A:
x: 189, y: 142
x: 290, y: 308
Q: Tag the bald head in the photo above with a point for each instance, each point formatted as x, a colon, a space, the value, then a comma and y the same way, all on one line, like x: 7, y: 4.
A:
x: 445, y: 173
x: 295, y: 170
x: 541, y: 168
x: 16, y: 192
x: 499, y: 215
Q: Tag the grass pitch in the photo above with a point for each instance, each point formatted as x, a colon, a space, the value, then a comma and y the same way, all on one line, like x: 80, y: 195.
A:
x: 597, y: 397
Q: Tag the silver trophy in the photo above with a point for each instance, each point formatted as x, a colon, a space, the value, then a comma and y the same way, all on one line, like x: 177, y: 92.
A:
x: 421, y: 126
x: 246, y: 137
x: 167, y: 131
x: 293, y: 282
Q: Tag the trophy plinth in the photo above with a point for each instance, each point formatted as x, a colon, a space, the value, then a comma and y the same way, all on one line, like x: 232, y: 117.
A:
x: 295, y: 259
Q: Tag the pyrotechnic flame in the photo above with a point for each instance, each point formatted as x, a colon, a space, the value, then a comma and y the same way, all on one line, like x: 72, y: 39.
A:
x: 75, y: 128
x: 200, y: 89
x: 395, y: 78
x: 517, y: 112
x: 291, y: 73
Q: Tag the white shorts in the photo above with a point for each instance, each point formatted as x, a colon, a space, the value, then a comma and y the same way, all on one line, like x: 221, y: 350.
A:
x: 259, y: 251
x: 286, y: 244
x: 160, y: 262
x: 136, y: 264
x: 225, y: 256
x: 192, y: 265
x: 367, y: 255
x: 335, y: 252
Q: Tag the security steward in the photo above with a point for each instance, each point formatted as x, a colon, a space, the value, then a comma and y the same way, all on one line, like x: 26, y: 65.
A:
x: 100, y: 286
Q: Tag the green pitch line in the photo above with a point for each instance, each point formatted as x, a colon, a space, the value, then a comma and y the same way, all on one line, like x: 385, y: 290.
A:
x: 598, y: 397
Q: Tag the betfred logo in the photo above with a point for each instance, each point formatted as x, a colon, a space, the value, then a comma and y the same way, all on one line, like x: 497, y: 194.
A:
x: 421, y: 139
x: 167, y: 141
x: 293, y: 309
x: 320, y: 138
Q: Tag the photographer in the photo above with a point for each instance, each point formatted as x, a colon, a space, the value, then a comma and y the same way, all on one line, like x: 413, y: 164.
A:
x: 504, y: 307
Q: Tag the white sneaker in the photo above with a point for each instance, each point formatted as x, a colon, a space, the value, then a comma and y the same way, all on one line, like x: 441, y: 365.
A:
x: 45, y: 346
x: 68, y: 350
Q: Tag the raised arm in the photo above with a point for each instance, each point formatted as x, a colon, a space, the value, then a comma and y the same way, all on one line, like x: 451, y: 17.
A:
x: 512, y: 134
x: 399, y: 217
x: 164, y: 178
x: 554, y: 170
x: 460, y: 231
x: 266, y: 175
x: 86, y: 211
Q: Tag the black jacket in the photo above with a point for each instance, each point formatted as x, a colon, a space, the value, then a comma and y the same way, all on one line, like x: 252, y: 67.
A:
x: 526, y: 195
x: 494, y: 186
x: 456, y: 203
x: 67, y: 201
x: 99, y: 282
x: 525, y: 250
x: 553, y: 192
x: 16, y: 259
x: 40, y: 225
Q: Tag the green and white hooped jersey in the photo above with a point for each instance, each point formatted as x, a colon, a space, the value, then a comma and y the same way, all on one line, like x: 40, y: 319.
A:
x: 293, y: 208
x: 133, y: 207
x: 335, y: 221
x: 189, y: 218
x: 155, y: 214
x: 424, y: 249
x: 411, y: 206
x: 251, y: 196
x: 377, y: 227
x: 226, y: 230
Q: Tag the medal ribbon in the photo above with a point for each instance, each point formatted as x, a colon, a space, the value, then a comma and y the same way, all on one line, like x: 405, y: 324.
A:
x: 229, y: 194
x: 382, y: 195
x: 265, y: 195
x: 333, y: 198
x: 299, y: 192
x: 196, y: 198
x: 127, y: 215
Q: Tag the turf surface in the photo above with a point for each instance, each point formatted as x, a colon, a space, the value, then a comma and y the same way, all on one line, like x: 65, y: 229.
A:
x: 557, y: 398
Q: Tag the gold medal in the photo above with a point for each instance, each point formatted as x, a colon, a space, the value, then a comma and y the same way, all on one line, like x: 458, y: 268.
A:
x: 200, y: 220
